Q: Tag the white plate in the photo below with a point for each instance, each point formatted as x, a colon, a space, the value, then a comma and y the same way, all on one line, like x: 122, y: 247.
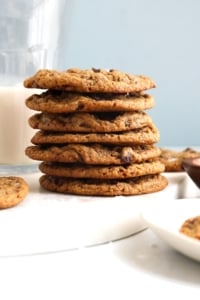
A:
x: 47, y: 222
x: 165, y: 219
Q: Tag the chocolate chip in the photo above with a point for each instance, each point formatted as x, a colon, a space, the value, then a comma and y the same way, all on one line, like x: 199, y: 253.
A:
x: 100, y: 96
x: 96, y: 70
x: 107, y: 115
x: 127, y: 155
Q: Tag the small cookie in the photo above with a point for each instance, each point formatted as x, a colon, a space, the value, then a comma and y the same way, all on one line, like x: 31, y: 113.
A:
x: 143, y: 136
x: 12, y: 191
x: 173, y: 159
x: 90, y: 122
x: 102, y: 172
x: 95, y: 154
x: 88, y: 81
x: 65, y: 102
x: 135, y: 186
x: 191, y: 227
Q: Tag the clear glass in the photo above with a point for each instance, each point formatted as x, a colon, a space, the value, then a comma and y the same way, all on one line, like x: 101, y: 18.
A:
x: 30, y: 39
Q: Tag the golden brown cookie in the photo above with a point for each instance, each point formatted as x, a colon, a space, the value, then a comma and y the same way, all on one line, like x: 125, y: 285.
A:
x: 12, y: 191
x: 173, y: 159
x: 65, y: 102
x: 94, y: 154
x: 102, y: 172
x: 90, y: 122
x: 143, y: 136
x: 135, y: 186
x: 92, y: 80
x: 191, y: 227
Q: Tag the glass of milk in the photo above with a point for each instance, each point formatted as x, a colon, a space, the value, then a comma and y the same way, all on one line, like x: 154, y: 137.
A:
x: 30, y: 39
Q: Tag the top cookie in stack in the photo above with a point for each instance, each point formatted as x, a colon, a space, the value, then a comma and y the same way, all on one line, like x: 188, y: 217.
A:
x: 94, y: 136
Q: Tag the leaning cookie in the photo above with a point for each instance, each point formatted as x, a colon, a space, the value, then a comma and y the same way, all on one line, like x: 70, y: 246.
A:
x: 13, y: 190
x: 102, y: 172
x: 90, y: 122
x: 135, y: 186
x: 66, y: 102
x: 91, y: 80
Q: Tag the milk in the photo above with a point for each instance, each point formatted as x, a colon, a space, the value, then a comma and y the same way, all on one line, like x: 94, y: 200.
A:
x: 15, y: 133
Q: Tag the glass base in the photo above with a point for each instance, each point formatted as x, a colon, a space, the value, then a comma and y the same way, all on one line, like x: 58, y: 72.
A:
x: 8, y: 170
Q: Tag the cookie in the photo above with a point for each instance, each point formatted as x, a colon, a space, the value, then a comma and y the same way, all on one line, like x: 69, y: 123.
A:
x: 102, y: 172
x: 88, y: 122
x: 173, y: 159
x: 91, y: 80
x: 64, y: 102
x: 143, y: 136
x: 95, y: 154
x: 191, y: 227
x: 12, y: 191
x: 135, y: 186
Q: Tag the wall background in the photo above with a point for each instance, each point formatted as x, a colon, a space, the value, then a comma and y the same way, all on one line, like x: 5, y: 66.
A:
x: 152, y: 37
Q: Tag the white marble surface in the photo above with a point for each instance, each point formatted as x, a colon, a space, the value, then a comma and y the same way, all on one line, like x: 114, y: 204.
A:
x: 46, y: 222
x: 141, y: 266
x: 138, y: 267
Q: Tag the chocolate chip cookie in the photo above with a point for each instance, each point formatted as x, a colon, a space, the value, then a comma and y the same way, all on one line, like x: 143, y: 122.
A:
x: 134, y: 186
x: 191, y: 227
x: 173, y: 159
x: 88, y: 81
x: 102, y: 172
x: 13, y: 190
x: 95, y: 154
x: 65, y: 102
x: 143, y: 136
x: 90, y: 122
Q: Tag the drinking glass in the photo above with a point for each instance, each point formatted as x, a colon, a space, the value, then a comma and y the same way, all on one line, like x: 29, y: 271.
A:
x: 30, y: 39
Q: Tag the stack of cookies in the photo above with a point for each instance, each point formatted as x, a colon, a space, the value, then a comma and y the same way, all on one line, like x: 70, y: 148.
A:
x: 93, y: 135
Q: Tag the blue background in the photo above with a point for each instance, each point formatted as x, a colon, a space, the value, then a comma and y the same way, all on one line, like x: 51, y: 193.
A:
x: 160, y: 39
